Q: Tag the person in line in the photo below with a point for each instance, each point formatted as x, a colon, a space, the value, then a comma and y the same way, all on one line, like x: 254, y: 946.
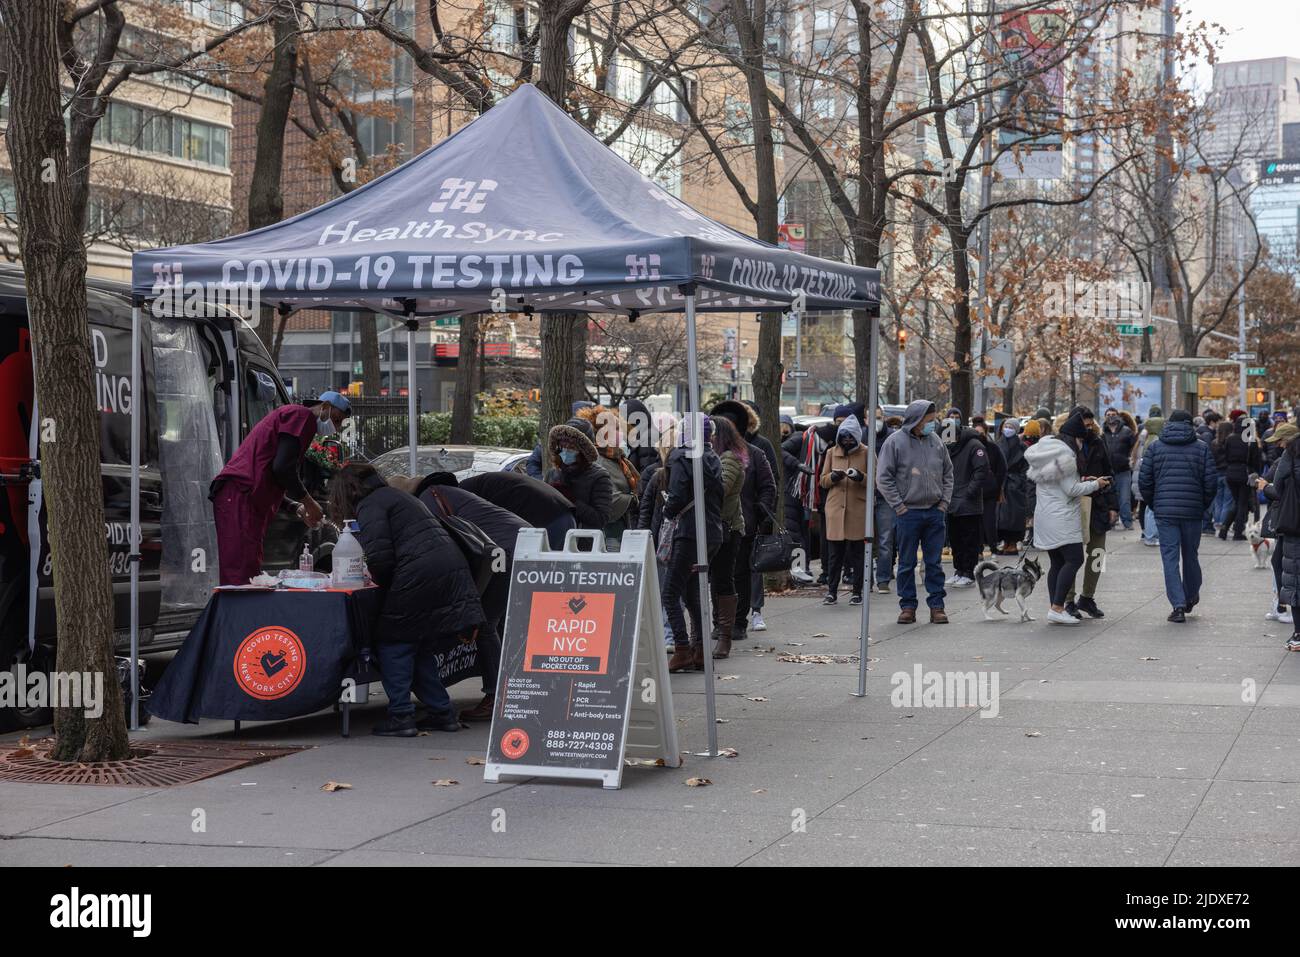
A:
x: 538, y: 504
x: 1223, y: 505
x: 1100, y: 510
x: 915, y: 476
x: 733, y: 452
x: 883, y: 520
x: 1032, y: 432
x: 429, y: 595
x: 609, y: 431
x: 1149, y: 433
x: 1286, y: 557
x: 1271, y: 451
x: 576, y: 475
x: 1241, y: 458
x: 758, y: 505
x: 247, y: 492
x: 757, y: 587
x: 844, y: 475
x: 1178, y: 479
x: 817, y: 440
x: 995, y: 480
x: 1011, y: 510
x: 442, y: 495
x: 970, y: 467
x: 654, y: 491
x: 1119, y: 438
x: 535, y: 466
x: 1058, y: 515
x: 641, y: 449
x: 796, y: 517
x: 679, y: 504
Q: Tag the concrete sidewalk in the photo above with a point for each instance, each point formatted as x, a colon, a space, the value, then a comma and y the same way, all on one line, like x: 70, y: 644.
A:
x: 1125, y: 741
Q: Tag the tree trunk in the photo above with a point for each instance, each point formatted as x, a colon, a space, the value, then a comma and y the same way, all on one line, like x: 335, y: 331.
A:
x: 557, y: 332
x: 961, y: 379
x: 54, y: 262
x: 265, y: 199
x: 467, y: 357
x: 1051, y: 390
x: 372, y: 375
x: 578, y: 353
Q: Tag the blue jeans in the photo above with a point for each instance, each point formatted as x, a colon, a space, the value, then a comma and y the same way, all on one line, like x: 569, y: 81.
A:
x: 1181, y: 537
x: 1149, y: 525
x: 1124, y: 489
x: 1223, y: 503
x: 407, y: 666
x: 926, y: 528
x: 884, y: 519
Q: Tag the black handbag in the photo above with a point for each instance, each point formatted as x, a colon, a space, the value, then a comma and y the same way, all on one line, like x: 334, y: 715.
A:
x: 479, y: 550
x: 774, y: 550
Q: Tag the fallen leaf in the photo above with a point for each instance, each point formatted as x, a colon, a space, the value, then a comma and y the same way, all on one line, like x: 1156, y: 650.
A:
x: 795, y: 644
x: 423, y: 734
x: 818, y: 659
x: 728, y: 677
x: 754, y: 698
x: 759, y: 791
x: 475, y: 761
x: 332, y: 786
x: 698, y: 782
x: 821, y: 634
x: 729, y: 753
x: 444, y: 783
x: 646, y: 762
x: 1033, y: 734
x: 722, y: 721
x: 1148, y: 658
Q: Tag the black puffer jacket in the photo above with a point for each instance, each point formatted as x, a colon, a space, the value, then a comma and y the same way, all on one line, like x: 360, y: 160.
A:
x: 650, y: 511
x: 531, y: 499
x: 1285, y: 473
x: 970, y: 465
x: 1119, y: 447
x: 428, y: 591
x: 1240, y: 457
x: 1095, y: 460
x: 681, y: 493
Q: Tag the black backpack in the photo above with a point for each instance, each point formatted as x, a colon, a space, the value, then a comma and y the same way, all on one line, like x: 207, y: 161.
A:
x: 479, y: 550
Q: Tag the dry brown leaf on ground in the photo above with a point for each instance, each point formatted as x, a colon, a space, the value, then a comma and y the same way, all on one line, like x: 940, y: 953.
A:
x: 444, y: 783
x: 728, y: 677
x: 728, y: 753
x: 1148, y: 659
x: 698, y: 782
x: 1033, y: 734
x: 645, y: 762
x: 475, y: 760
x: 754, y: 698
x: 332, y: 786
x: 821, y: 634
x: 818, y: 659
x: 759, y: 791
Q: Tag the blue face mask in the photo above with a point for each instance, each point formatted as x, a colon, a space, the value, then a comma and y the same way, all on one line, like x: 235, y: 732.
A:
x: 929, y: 427
x: 568, y: 456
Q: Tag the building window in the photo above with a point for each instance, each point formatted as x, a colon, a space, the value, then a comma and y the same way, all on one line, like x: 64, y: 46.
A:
x: 151, y: 131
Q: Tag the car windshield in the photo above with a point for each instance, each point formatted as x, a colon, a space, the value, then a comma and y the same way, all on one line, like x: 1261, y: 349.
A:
x: 428, y: 460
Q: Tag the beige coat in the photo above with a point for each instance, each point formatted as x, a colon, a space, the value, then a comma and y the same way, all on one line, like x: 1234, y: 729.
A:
x: 846, y: 501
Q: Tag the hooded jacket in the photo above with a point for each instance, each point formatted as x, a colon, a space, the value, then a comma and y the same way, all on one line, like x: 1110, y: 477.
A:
x: 1054, y: 470
x: 1178, y: 478
x: 428, y: 590
x: 846, y: 499
x: 641, y: 450
x: 1119, y: 441
x: 1239, y: 456
x: 585, y: 484
x: 970, y: 468
x: 744, y: 417
x: 1013, y: 509
x: 681, y: 493
x: 914, y: 470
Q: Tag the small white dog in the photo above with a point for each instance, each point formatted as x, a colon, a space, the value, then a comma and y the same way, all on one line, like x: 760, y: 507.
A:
x: 1261, y: 547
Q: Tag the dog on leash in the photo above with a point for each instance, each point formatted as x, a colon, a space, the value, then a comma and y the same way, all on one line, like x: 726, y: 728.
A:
x: 1261, y: 547
x: 997, y: 582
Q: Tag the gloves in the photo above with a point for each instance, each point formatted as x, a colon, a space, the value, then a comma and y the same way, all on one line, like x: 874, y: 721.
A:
x: 837, y: 475
x: 855, y: 475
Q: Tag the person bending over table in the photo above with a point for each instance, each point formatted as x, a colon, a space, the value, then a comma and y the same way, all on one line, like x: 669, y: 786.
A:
x: 429, y: 595
x: 246, y: 493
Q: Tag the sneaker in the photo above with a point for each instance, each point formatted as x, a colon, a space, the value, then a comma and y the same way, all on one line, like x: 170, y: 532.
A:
x: 829, y: 600
x: 1061, y: 618
x: 1073, y: 610
x: 803, y: 578
x: 952, y: 580
x: 1285, y: 617
x: 757, y: 623
x: 884, y: 588
x: 396, y: 728
x: 1293, y: 643
x: 1152, y: 542
x: 1089, y: 605
x: 963, y: 582
x: 855, y: 600
x: 1177, y: 615
x: 1273, y: 614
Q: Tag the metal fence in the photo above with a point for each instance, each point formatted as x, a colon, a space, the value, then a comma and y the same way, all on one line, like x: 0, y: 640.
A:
x: 381, y: 423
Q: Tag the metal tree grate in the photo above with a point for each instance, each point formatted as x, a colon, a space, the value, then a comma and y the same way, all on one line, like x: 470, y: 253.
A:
x: 163, y: 764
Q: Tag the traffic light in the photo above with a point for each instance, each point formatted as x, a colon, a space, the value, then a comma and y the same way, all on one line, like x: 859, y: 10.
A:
x: 902, y: 339
x: 1260, y: 396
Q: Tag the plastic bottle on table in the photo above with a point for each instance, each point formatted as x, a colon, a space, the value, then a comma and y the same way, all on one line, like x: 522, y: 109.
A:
x: 349, y: 559
x: 305, y: 561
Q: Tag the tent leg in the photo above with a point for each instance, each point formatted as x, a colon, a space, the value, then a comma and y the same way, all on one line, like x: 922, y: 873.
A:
x: 701, y: 532
x: 869, y: 433
x: 412, y: 405
x: 133, y: 558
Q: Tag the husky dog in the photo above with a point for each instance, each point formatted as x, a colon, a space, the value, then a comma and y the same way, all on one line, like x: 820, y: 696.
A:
x: 996, y: 583
x: 1261, y: 547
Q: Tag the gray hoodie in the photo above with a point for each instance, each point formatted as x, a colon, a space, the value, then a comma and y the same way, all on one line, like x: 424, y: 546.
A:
x: 914, y: 471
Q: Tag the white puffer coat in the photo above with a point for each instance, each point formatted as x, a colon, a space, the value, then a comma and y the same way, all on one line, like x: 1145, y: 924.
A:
x: 1058, y: 515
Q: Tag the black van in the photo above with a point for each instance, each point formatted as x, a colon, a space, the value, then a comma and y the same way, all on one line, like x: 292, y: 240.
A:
x: 206, y: 382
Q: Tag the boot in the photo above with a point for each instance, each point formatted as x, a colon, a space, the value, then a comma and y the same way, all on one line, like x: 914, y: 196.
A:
x: 722, y: 634
x: 697, y: 656
x: 683, y: 659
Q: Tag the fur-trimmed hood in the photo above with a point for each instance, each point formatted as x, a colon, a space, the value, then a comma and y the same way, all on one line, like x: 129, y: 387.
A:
x: 744, y: 418
x: 574, y: 436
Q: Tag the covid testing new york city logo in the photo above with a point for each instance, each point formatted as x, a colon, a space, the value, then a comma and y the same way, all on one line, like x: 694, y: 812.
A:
x: 270, y: 663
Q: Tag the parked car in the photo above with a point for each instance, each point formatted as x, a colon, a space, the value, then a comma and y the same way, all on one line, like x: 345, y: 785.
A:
x: 802, y: 422
x: 464, y: 460
x: 205, y: 383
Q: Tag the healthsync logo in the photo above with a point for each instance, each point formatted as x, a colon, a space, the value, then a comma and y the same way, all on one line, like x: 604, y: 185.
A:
x: 83, y: 690
x: 76, y: 910
x: 945, y: 689
x: 1075, y: 298
x: 174, y: 298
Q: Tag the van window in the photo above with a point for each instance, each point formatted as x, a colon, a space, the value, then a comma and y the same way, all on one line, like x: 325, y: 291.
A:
x: 260, y: 395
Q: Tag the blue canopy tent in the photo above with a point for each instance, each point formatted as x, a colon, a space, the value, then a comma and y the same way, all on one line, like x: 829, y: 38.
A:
x: 522, y: 210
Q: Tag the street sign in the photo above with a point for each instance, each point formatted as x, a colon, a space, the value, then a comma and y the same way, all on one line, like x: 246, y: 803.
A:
x: 1242, y: 356
x: 797, y: 374
x: 1125, y: 329
x: 1256, y: 370
x: 583, y: 679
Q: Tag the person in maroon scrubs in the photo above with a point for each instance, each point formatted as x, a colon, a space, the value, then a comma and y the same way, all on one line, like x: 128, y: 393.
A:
x: 266, y: 467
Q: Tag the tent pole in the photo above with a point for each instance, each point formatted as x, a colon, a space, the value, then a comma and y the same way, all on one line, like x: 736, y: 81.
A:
x: 869, y: 433
x: 412, y: 405
x: 701, y: 532
x: 134, y: 556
